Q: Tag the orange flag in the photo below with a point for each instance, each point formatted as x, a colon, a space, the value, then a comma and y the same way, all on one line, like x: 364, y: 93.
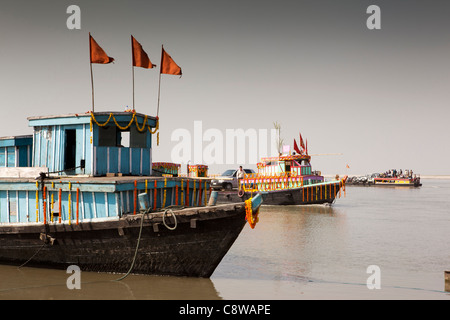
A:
x: 168, y: 66
x: 98, y: 55
x: 140, y: 58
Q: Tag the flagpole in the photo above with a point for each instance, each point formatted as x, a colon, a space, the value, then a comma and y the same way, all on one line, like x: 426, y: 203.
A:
x: 92, y: 83
x: 133, y: 87
x: 132, y: 66
x: 159, y: 94
x: 92, y: 75
x: 159, y: 87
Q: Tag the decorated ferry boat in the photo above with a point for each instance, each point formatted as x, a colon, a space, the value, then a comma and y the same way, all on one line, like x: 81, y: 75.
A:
x: 73, y: 194
x: 288, y: 180
x: 83, y: 190
x: 397, y: 181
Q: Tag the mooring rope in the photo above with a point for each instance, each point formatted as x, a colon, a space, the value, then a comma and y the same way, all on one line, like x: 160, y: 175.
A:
x: 174, y: 217
x: 137, y: 245
x: 135, y: 252
x: 140, y: 236
x: 43, y: 245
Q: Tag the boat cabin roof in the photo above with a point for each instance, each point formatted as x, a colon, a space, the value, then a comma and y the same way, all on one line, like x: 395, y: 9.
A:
x: 296, y: 157
x: 84, y: 118
x: 16, y: 141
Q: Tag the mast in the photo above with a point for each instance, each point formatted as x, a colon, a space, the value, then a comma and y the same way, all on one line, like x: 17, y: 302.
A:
x: 92, y: 74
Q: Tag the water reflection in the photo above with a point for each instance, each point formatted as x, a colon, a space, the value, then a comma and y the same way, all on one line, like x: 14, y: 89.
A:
x: 46, y: 284
x: 308, y: 236
x: 287, y: 244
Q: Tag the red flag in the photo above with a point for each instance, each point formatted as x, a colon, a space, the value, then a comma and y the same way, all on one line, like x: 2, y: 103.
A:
x: 140, y: 57
x: 168, y: 66
x: 302, y: 144
x: 306, y: 148
x: 98, y: 55
x: 296, y: 147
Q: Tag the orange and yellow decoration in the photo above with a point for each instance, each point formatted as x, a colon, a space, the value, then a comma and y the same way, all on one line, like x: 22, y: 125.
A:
x: 254, y: 183
x: 251, y: 218
x: 141, y: 129
x: 167, y: 168
x: 198, y: 170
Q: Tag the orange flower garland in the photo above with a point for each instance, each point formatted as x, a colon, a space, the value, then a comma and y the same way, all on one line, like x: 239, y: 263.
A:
x: 198, y: 170
x: 249, y: 217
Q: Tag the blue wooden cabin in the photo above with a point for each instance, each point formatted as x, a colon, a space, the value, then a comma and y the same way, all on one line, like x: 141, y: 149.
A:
x: 94, y: 144
x: 96, y: 165
x: 15, y: 151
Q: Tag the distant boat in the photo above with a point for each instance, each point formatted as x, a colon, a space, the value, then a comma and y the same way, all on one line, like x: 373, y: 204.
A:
x: 397, y: 181
x: 287, y: 180
x: 386, y: 179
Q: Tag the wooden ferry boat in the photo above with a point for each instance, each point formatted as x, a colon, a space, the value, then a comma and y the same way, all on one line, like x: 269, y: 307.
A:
x: 287, y: 180
x: 397, y: 181
x: 72, y: 194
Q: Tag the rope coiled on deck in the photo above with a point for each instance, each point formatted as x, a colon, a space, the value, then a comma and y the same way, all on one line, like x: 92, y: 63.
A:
x: 164, y: 220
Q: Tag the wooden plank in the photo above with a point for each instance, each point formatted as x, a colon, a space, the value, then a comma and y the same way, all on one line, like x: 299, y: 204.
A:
x: 22, y: 205
x: 101, y: 160
x: 136, y: 159
x: 22, y: 172
x: 124, y: 161
x: 146, y: 163
x: 94, y: 204
x: 113, y: 160
x: 111, y: 204
x: 88, y: 205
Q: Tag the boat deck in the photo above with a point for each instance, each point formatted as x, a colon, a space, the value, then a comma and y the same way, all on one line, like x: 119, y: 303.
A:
x: 103, y: 179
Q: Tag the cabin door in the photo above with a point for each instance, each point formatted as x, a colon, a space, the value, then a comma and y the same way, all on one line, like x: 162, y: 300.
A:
x: 70, y: 150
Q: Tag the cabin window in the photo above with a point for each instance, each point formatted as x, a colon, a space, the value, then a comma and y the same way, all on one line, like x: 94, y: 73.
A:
x: 306, y: 170
x: 124, y: 139
x: 304, y: 162
x: 132, y: 138
x: 288, y: 166
x: 107, y: 136
x: 138, y: 139
x: 113, y: 137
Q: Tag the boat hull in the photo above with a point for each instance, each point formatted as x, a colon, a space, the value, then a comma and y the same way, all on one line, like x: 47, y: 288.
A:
x: 292, y: 196
x: 200, y: 240
x: 392, y: 182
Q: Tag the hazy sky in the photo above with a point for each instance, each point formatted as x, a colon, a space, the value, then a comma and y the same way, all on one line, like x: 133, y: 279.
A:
x: 379, y: 97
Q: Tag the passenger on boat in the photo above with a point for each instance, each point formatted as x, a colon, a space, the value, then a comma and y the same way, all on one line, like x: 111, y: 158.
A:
x: 240, y: 174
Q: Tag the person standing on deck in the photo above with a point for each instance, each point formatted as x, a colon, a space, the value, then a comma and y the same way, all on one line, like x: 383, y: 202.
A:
x: 240, y: 174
